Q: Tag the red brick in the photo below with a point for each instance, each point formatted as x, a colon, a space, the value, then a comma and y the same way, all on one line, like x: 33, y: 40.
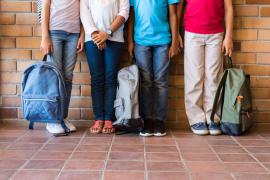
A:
x: 257, y: 70
x: 8, y: 89
x: 19, y: 90
x: 15, y: 6
x: 263, y: 58
x: 84, y: 67
x: 245, y: 34
x: 237, y: 21
x: 259, y: 23
x: 171, y: 115
x: 26, y: 18
x: 264, y: 35
x: 176, y: 81
x: 74, y: 114
x: 239, y: 2
x: 86, y: 90
x: 8, y: 113
x: 260, y: 93
x: 81, y: 78
x: 261, y: 105
x: 37, y: 30
x: 11, y: 101
x: 8, y: 65
x: 7, y: 18
x: 76, y: 90
x: 258, y: 1
x: 37, y: 54
x: 262, y: 117
x: 87, y: 114
x: 260, y: 82
x: 176, y: 103
x: 244, y: 58
x: 248, y: 10
x: 27, y: 42
x: 176, y: 92
x: 10, y: 77
x: 22, y: 65
x: 255, y: 46
x: 7, y: 42
x: 265, y: 11
x: 81, y: 102
x: 15, y: 54
x: 77, y: 67
x: 10, y: 30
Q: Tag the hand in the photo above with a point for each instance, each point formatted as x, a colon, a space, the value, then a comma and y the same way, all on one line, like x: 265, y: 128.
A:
x: 227, y: 47
x: 130, y: 48
x: 100, y: 37
x: 46, y: 45
x: 102, y: 46
x: 174, y: 49
x: 181, y: 44
x: 80, y: 44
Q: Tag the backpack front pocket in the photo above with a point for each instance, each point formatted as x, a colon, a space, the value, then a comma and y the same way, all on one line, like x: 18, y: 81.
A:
x: 39, y: 109
x: 119, y: 108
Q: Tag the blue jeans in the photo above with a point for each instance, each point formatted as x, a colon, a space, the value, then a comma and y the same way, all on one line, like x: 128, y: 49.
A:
x: 103, y: 68
x: 64, y: 56
x: 153, y: 62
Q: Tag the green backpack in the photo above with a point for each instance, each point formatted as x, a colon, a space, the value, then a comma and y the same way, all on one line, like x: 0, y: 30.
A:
x: 234, y: 97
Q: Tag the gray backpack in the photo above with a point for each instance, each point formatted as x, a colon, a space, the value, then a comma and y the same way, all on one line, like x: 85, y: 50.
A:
x: 127, y: 100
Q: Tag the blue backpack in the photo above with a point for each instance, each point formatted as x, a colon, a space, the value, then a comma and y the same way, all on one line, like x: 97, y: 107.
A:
x: 43, y: 94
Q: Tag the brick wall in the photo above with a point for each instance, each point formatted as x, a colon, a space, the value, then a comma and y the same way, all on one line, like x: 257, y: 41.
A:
x: 20, y: 40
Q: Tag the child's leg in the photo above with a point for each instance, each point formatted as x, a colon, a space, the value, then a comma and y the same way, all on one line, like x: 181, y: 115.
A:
x: 213, y: 68
x: 96, y: 65
x: 57, y: 38
x: 143, y: 55
x: 194, y: 77
x: 112, y: 54
x: 161, y: 63
x: 69, y: 62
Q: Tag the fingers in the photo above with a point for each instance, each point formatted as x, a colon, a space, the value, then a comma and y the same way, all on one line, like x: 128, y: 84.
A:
x: 223, y: 48
x: 230, y: 52
x: 80, y: 47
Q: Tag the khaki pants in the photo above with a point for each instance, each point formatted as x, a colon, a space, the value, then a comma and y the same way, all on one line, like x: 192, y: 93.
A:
x: 203, y: 65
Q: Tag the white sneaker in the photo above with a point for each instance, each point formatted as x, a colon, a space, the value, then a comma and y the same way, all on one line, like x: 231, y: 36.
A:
x: 69, y: 125
x: 55, y: 128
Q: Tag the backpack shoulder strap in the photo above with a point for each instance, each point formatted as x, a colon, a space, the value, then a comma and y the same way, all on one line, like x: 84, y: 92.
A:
x: 31, y: 125
x: 219, y: 97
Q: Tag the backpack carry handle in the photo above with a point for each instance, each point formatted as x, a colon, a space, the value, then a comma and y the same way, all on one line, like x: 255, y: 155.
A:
x: 229, y: 61
x: 45, y: 58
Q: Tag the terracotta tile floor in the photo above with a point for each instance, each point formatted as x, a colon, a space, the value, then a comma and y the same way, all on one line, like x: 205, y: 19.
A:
x: 35, y: 154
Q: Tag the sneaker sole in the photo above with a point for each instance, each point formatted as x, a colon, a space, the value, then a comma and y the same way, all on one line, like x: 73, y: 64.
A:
x: 61, y: 132
x: 160, y: 134
x: 200, y: 132
x: 215, y: 132
x: 146, y: 134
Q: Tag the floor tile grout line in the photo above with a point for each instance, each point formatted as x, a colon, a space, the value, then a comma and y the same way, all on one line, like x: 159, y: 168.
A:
x: 18, y: 138
x: 252, y: 155
x: 180, y: 155
x: 220, y: 160
x: 108, y: 157
x: 31, y: 158
x: 67, y: 159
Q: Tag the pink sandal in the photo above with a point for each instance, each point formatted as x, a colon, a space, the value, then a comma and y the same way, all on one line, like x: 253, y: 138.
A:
x: 97, y: 127
x: 108, y: 127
